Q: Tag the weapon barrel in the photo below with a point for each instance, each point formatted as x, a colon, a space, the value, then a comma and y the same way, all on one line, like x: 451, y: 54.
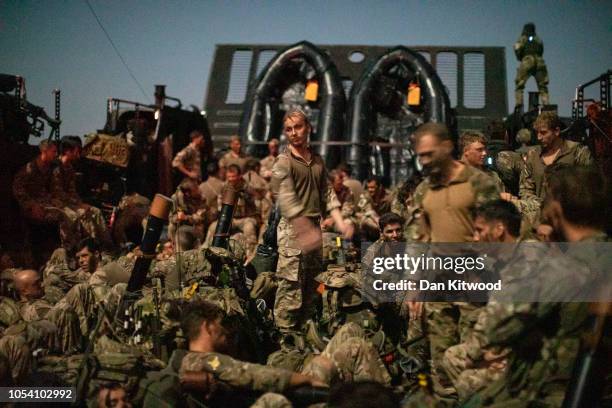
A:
x: 224, y: 223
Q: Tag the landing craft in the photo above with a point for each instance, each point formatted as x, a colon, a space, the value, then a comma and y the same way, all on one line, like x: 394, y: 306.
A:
x: 389, y: 91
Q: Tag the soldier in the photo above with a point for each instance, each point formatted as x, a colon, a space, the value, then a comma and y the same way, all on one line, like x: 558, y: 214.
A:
x: 346, y: 199
x: 59, y: 275
x: 31, y: 188
x: 188, y: 161
x: 235, y: 155
x: 577, y: 203
x: 528, y: 50
x: 268, y: 162
x: 373, y: 202
x: 354, y: 185
x: 189, y: 209
x: 112, y: 395
x: 253, y: 179
x: 473, y: 364
x: 302, y: 188
x: 473, y: 148
x: 246, y: 215
x: 131, y: 212
x: 553, y: 149
x: 212, y: 188
x: 208, y: 337
x: 60, y: 325
x: 442, y: 213
x: 63, y: 190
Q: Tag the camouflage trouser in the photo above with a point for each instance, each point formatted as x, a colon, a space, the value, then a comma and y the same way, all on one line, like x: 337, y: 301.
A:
x: 247, y: 225
x: 18, y: 354
x: 68, y: 225
x: 535, y: 66
x: 272, y: 400
x: 447, y: 324
x: 467, y: 378
x: 349, y: 357
x: 90, y: 220
x: 295, y: 272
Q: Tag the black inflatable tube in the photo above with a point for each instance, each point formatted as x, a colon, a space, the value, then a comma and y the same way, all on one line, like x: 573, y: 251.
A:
x: 437, y: 107
x: 257, y: 117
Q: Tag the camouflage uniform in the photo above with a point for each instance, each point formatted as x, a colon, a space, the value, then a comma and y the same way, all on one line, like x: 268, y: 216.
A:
x: 441, y: 213
x: 532, y: 186
x: 63, y: 190
x: 132, y: 210
x: 31, y: 188
x: 194, y: 209
x: 509, y: 166
x: 354, y: 359
x: 369, y: 208
x: 302, y: 189
x: 57, y: 275
x: 230, y: 158
x: 190, y: 158
x: 461, y: 362
x: 347, y: 206
x: 245, y: 216
x: 529, y: 53
x: 266, y: 165
x: 210, y: 191
x: 236, y: 373
x: 545, y: 350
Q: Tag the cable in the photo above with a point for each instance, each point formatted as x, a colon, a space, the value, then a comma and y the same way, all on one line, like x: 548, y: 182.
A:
x: 117, y: 51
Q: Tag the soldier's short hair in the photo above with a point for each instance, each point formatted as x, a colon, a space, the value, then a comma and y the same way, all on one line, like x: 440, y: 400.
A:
x: 296, y: 113
x: 582, y: 192
x: 388, y: 219
x: 469, y: 137
x: 45, y: 144
x: 437, y: 130
x: 374, y: 179
x: 344, y: 167
x: 234, y: 168
x: 274, y: 140
x: 234, y: 138
x: 195, y: 134
x: 212, y: 168
x: 333, y: 174
x: 523, y: 136
x: 548, y: 119
x: 88, y: 243
x: 501, y: 211
x: 252, y: 164
x: 196, y: 313
x: 186, y: 238
x: 70, y: 142
x: 187, y: 185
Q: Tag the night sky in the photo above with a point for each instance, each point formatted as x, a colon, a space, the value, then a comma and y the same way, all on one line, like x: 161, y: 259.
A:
x: 58, y: 44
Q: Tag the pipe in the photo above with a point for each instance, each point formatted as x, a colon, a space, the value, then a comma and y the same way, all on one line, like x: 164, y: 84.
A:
x: 257, y: 122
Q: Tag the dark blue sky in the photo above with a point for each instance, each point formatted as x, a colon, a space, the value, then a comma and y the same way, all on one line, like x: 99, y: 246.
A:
x: 58, y: 44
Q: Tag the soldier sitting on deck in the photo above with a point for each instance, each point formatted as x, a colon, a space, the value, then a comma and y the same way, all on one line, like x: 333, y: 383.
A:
x: 63, y: 190
x: 31, y: 188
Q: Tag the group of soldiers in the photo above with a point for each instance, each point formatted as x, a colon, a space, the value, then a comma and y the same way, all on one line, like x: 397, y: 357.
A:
x: 205, y: 330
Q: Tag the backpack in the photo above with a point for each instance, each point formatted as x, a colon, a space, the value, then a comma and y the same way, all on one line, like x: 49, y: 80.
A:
x: 163, y: 388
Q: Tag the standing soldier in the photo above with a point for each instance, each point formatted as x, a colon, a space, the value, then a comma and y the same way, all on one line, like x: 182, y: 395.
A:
x: 528, y: 50
x: 553, y: 149
x: 188, y: 161
x: 473, y: 148
x: 267, y: 162
x: 64, y: 191
x: 299, y: 180
x: 442, y: 212
x: 235, y: 155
